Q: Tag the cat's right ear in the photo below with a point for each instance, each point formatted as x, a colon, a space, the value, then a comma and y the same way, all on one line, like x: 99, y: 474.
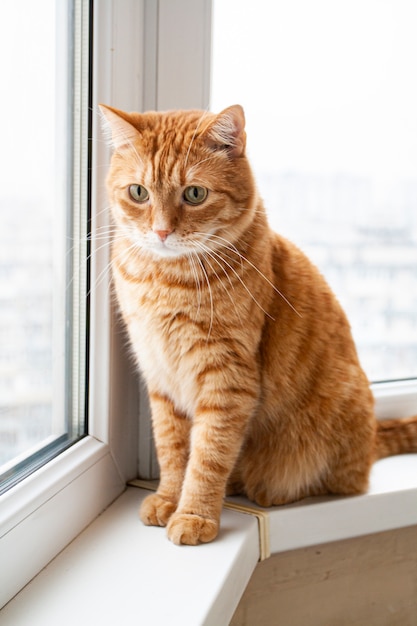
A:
x: 119, y: 131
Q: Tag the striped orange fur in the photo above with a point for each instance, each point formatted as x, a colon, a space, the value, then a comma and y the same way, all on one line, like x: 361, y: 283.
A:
x: 253, y: 377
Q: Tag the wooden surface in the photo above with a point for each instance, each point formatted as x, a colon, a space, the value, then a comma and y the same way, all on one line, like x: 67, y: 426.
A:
x: 366, y: 581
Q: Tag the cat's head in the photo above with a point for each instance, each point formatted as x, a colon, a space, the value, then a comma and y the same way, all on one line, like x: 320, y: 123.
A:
x: 179, y: 181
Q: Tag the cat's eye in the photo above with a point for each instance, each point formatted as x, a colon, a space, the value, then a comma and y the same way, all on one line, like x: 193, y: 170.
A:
x: 138, y: 193
x: 195, y: 194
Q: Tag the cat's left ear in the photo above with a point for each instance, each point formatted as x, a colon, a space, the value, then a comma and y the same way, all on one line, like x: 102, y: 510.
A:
x: 228, y: 131
x: 116, y: 125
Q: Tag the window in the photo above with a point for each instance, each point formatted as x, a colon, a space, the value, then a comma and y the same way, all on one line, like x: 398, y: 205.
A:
x: 332, y: 133
x: 72, y: 484
x: 43, y: 233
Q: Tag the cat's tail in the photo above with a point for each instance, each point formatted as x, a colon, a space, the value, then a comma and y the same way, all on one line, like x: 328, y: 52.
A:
x: 396, y: 436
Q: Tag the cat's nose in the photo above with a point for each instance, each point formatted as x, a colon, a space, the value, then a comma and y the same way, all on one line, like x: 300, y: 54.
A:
x: 163, y: 234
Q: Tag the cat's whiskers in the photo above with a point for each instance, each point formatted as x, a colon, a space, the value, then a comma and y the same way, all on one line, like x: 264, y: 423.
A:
x: 191, y: 260
x: 210, y: 294
x: 101, y: 233
x: 212, y: 236
x: 123, y: 256
x: 220, y: 259
x: 105, y: 209
x: 206, y: 253
x: 104, y: 234
x: 86, y: 259
x: 207, y: 256
x: 232, y: 248
x: 106, y: 271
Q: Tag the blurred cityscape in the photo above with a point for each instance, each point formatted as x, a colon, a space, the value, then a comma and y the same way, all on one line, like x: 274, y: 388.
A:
x: 26, y: 288
x: 368, y: 252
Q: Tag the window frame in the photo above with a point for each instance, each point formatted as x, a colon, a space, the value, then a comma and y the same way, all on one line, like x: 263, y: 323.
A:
x: 68, y: 420
x: 61, y: 498
x: 142, y: 39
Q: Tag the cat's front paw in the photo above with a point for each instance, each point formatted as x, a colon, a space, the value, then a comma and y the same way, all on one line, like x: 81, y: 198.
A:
x: 156, y: 511
x: 190, y: 529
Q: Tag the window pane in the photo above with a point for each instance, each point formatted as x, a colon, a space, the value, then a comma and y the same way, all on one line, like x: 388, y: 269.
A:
x: 330, y: 98
x: 40, y: 209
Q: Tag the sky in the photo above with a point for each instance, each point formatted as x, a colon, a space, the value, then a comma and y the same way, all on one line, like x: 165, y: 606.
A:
x: 27, y: 105
x: 327, y: 85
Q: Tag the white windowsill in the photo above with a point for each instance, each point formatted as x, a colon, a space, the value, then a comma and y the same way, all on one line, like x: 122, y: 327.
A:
x: 45, y: 511
x: 391, y: 502
x: 119, y: 571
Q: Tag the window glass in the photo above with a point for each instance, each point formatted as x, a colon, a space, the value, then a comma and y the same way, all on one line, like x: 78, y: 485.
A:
x: 42, y: 312
x: 330, y: 97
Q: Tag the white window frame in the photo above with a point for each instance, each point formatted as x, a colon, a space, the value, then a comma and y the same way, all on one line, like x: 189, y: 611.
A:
x: 44, y: 512
x: 138, y: 47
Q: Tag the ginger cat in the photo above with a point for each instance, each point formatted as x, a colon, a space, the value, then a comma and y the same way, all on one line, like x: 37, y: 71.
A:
x: 253, y: 377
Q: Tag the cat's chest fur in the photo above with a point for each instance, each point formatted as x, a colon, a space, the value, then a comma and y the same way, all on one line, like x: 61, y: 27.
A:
x: 168, y: 334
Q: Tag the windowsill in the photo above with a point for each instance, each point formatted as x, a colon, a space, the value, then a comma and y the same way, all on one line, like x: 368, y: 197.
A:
x: 391, y: 502
x: 42, y: 514
x: 119, y: 571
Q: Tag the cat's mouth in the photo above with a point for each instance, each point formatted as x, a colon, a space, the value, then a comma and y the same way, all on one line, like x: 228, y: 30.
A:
x: 174, y: 245
x: 165, y: 250
x: 169, y: 248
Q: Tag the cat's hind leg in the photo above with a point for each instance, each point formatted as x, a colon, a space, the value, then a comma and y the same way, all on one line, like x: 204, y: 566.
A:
x: 350, y: 475
x: 348, y: 472
x: 275, y: 475
x: 172, y: 434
